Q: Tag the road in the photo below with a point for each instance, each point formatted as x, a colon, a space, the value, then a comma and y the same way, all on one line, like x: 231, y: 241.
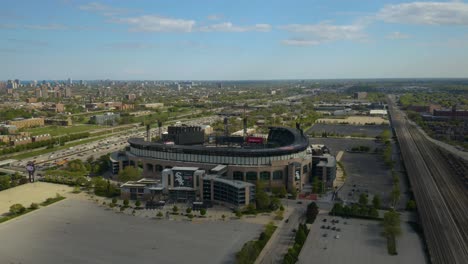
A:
x: 97, y: 148
x: 283, y: 238
x: 440, y: 193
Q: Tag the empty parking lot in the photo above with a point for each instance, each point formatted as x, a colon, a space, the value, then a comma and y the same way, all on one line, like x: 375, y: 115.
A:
x: 78, y: 231
x: 360, y: 241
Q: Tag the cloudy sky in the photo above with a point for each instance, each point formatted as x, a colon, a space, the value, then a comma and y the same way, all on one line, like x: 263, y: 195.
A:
x: 241, y: 39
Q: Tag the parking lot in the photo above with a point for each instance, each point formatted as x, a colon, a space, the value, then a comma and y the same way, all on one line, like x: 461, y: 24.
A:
x: 341, y: 144
x: 79, y: 231
x: 348, y: 130
x: 366, y: 173
x: 359, y: 241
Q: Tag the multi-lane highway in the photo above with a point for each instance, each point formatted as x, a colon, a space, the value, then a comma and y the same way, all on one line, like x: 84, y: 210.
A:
x: 97, y: 148
x: 441, y: 195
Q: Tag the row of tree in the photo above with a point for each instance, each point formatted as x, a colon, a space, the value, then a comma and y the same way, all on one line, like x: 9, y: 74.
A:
x: 293, y: 252
x: 362, y: 209
x: 250, y: 251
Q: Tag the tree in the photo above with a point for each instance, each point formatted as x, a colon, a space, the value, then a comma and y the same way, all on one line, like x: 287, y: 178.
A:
x: 376, y: 202
x: 395, y: 195
x: 373, y: 212
x: 137, y: 203
x: 175, y: 209
x: 261, y: 197
x: 17, y: 209
x: 411, y: 205
x: 34, y: 206
x: 391, y: 223
x: 293, y: 193
x: 363, y: 199
x: 300, y: 236
x: 159, y: 214
x: 311, y: 213
x: 129, y: 173
x: 4, y: 182
x: 188, y: 210
x: 114, y: 200
x: 337, y: 209
x: 76, y: 166
x: 126, y: 202
x: 223, y: 217
x: 202, y: 211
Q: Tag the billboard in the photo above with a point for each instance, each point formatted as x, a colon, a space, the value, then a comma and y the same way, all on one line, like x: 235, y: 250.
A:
x: 255, y: 140
x: 183, y: 179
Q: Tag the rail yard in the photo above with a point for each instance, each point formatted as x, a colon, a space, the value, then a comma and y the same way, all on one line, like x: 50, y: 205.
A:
x: 439, y: 182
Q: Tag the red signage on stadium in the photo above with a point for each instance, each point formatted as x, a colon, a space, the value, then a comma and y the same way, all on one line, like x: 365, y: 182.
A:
x: 255, y: 140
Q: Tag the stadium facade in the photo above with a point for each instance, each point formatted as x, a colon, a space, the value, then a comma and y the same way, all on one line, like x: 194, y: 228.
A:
x: 281, y: 160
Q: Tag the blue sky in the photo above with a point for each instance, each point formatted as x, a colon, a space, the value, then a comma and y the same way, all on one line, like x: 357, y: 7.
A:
x: 214, y: 39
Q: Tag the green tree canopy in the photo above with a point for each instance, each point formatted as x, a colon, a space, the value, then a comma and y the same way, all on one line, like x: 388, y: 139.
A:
x: 377, y: 202
x: 129, y: 173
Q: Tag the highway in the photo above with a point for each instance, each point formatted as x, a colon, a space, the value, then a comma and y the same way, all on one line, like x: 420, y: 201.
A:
x: 438, y: 185
x: 114, y: 142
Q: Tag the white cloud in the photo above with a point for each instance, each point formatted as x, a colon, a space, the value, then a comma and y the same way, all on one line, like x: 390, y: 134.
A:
x: 397, y: 35
x: 300, y: 42
x: 214, y: 17
x: 426, y: 13
x: 229, y: 27
x: 153, y: 23
x: 102, y: 9
x: 314, y: 34
x: 46, y: 27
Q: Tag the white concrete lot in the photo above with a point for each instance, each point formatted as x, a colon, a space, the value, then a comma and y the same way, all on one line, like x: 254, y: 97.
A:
x: 30, y: 193
x: 360, y: 241
x: 78, y: 231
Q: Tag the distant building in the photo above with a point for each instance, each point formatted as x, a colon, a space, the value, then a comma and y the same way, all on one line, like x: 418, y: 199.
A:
x: 68, y: 92
x: 452, y: 114
x: 39, y: 138
x: 105, y: 119
x: 130, y: 97
x: 360, y: 95
x: 21, y: 141
x: 424, y: 108
x: 7, y: 129
x: 153, y: 105
x: 26, y: 123
x: 38, y: 92
x: 378, y: 112
x: 45, y: 92
x: 70, y: 82
x: 31, y: 100
x: 57, y: 108
x: 11, y: 84
x: 59, y: 122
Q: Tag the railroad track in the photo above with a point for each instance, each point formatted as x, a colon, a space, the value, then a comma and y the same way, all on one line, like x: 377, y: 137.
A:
x: 439, y: 191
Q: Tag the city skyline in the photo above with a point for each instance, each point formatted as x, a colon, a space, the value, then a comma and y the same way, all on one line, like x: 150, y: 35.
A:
x: 155, y: 40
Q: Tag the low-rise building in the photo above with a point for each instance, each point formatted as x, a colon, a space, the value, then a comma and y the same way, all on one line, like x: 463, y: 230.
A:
x: 26, y: 123
x: 105, y: 119
x: 189, y: 184
x: 153, y: 105
x: 324, y: 167
x: 39, y: 138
